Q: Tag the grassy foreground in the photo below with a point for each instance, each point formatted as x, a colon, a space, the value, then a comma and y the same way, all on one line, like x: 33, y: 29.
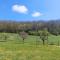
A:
x: 14, y: 49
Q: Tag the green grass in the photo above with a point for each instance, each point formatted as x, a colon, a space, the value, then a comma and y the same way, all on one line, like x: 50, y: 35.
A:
x: 13, y: 48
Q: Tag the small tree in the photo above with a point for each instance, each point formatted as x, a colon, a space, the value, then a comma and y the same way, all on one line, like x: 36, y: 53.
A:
x: 23, y: 35
x: 58, y: 42
x: 5, y: 36
x: 44, y: 35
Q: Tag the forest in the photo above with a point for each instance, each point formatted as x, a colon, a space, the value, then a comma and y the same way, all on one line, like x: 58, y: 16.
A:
x: 32, y: 28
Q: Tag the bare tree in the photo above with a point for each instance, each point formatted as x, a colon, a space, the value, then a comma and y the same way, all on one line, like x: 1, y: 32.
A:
x: 23, y: 35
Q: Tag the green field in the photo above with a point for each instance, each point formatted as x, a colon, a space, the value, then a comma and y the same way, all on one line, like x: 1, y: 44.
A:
x: 32, y: 49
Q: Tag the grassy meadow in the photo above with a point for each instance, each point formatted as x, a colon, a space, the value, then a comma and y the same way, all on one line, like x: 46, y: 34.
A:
x: 12, y: 48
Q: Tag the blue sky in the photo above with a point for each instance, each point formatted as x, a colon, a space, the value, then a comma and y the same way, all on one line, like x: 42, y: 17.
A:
x: 29, y: 10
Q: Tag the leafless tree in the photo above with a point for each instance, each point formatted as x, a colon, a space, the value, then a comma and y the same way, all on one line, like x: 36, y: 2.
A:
x: 23, y: 35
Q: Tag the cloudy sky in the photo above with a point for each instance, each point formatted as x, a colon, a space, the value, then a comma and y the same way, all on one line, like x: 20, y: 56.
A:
x: 24, y: 10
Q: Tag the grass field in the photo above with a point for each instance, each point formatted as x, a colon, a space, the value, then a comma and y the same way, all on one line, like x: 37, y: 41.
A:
x: 13, y: 48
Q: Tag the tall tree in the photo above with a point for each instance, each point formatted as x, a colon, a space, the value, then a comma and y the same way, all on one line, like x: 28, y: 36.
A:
x: 44, y: 35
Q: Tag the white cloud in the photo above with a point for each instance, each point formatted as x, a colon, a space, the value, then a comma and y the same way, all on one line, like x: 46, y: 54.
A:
x: 36, y: 14
x: 20, y: 8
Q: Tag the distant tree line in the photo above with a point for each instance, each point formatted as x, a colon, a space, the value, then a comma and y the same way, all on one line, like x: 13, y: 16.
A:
x: 32, y: 28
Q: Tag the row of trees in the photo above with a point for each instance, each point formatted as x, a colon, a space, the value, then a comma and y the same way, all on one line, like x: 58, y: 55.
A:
x: 43, y: 35
x: 31, y: 28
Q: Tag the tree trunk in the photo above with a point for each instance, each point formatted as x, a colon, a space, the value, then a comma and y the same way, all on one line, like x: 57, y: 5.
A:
x: 23, y: 40
x: 43, y: 42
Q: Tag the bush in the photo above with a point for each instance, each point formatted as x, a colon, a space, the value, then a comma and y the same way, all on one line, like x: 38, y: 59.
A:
x: 52, y: 43
x: 33, y: 33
